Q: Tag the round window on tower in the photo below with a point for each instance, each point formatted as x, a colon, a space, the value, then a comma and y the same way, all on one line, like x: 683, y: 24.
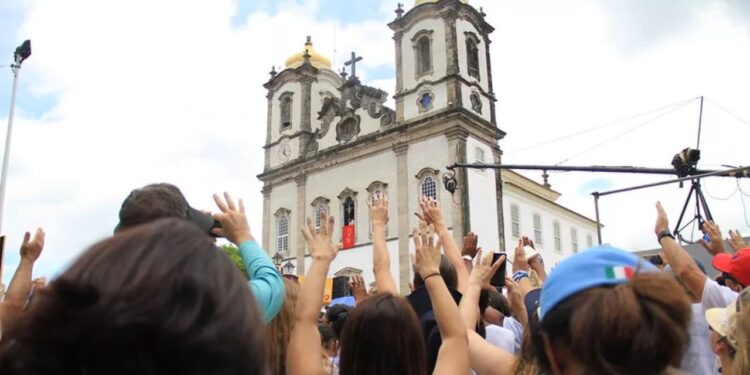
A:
x: 425, y: 100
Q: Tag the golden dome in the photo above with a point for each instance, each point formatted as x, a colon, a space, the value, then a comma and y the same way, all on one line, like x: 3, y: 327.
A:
x: 316, y: 59
x: 417, y: 2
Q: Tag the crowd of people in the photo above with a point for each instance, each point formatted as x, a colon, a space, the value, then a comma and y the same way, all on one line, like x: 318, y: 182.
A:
x: 158, y: 297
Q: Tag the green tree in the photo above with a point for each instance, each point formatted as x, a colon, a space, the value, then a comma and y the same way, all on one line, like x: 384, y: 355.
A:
x: 234, y: 255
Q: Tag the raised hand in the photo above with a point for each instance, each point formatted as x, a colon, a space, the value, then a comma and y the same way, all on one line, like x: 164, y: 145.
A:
x: 427, y: 256
x: 357, y: 285
x: 319, y: 242
x: 483, y: 270
x: 716, y: 245
x: 431, y: 213
x: 379, y: 210
x: 233, y: 220
x: 662, y: 222
x: 470, y: 245
x: 31, y: 249
x: 519, y: 258
x: 736, y: 241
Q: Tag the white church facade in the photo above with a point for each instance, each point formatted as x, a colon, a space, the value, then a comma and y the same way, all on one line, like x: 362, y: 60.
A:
x: 332, y: 143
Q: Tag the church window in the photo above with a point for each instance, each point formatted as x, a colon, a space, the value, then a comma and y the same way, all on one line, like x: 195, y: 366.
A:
x: 285, y: 111
x: 574, y: 239
x: 425, y: 100
x: 282, y: 231
x: 589, y: 241
x: 515, y: 220
x: 320, y: 206
x: 472, y: 54
x: 538, y: 229
x: 422, y: 43
x: 428, y: 186
x: 476, y: 103
x: 349, y: 211
x: 558, y: 236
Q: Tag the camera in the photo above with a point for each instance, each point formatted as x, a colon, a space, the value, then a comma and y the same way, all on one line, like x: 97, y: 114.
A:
x: 685, y: 163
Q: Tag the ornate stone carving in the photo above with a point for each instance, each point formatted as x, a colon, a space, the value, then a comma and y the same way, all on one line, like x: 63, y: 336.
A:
x: 476, y: 103
x: 348, y: 127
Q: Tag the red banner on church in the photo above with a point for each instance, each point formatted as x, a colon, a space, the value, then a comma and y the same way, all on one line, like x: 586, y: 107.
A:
x: 348, y: 237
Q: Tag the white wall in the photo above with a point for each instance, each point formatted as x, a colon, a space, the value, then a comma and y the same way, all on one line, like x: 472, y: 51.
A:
x: 433, y: 153
x: 528, y: 205
x: 482, y: 198
x: 463, y: 26
x: 411, y: 106
x: 439, y: 55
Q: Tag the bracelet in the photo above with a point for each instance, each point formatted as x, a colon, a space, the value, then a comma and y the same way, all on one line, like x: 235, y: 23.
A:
x: 430, y: 275
x: 520, y: 275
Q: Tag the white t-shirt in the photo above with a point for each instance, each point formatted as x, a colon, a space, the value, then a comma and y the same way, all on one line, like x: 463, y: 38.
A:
x: 500, y: 337
x: 715, y: 295
x: 699, y: 359
x: 517, y: 328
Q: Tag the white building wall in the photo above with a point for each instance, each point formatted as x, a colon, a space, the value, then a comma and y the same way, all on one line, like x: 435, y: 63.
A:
x: 284, y: 196
x: 463, y: 26
x: 356, y: 175
x: 528, y: 206
x: 482, y: 198
x: 432, y: 153
x: 440, y: 101
x: 439, y: 53
x: 295, y: 88
x: 466, y: 91
x: 277, y: 159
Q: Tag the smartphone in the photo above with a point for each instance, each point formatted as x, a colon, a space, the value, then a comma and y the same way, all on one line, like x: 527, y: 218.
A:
x: 498, y: 279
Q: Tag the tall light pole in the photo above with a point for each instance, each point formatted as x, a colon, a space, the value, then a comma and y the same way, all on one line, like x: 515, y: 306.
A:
x: 22, y: 53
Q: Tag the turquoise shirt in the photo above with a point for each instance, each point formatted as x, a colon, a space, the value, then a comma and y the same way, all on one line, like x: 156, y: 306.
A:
x: 265, y: 280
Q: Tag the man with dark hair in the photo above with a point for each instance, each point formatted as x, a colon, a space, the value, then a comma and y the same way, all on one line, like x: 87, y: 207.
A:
x: 156, y: 201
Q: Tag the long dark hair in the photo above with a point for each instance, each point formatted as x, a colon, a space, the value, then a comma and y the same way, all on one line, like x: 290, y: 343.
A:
x: 382, y: 336
x: 156, y: 299
x: 639, y: 327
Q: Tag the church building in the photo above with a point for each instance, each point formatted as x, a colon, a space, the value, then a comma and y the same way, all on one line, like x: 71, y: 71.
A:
x: 332, y: 143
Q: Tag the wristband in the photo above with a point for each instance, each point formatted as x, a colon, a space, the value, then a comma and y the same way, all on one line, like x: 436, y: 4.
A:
x: 662, y: 234
x: 520, y: 275
x: 430, y: 275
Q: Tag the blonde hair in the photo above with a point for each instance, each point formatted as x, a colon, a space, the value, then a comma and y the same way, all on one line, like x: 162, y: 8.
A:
x: 741, y: 361
x: 279, y: 330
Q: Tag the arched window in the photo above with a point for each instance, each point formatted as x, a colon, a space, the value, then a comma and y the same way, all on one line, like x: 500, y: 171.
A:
x: 349, y: 214
x: 574, y: 239
x: 422, y: 43
x: 429, y: 187
x: 285, y: 111
x: 472, y: 54
x: 282, y: 231
x: 320, y: 206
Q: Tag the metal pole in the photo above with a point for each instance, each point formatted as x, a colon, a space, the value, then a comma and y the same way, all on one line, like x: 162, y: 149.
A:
x: 6, y: 155
x: 736, y: 172
x: 592, y: 168
x: 700, y: 124
x: 598, y: 222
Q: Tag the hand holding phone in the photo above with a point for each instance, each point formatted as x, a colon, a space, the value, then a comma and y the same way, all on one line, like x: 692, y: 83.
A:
x: 498, y: 279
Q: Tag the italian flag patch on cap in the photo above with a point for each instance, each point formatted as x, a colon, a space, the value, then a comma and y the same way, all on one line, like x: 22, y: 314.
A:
x: 619, y: 273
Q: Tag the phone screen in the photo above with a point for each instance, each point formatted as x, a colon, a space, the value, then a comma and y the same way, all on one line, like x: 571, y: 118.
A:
x: 498, y: 279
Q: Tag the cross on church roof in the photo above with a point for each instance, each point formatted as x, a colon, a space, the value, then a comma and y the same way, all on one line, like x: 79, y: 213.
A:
x: 353, y: 63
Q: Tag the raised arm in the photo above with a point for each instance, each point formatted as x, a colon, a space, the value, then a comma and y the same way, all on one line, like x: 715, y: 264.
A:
x: 453, y: 357
x: 521, y: 269
x: 716, y: 243
x: 20, y: 285
x: 265, y: 281
x: 432, y: 215
x: 536, y: 263
x: 479, y: 279
x: 381, y: 261
x: 681, y: 262
x: 304, y: 352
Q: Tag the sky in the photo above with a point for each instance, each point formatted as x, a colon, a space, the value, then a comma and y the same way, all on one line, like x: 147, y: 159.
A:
x: 119, y: 94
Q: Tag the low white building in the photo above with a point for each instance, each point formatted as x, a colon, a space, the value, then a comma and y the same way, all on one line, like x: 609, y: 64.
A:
x: 530, y: 209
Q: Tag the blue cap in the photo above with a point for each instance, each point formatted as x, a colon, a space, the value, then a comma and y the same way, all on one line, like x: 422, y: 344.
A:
x: 598, y: 266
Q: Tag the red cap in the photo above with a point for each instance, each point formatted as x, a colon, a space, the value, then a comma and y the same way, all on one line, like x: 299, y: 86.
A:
x: 736, y: 265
